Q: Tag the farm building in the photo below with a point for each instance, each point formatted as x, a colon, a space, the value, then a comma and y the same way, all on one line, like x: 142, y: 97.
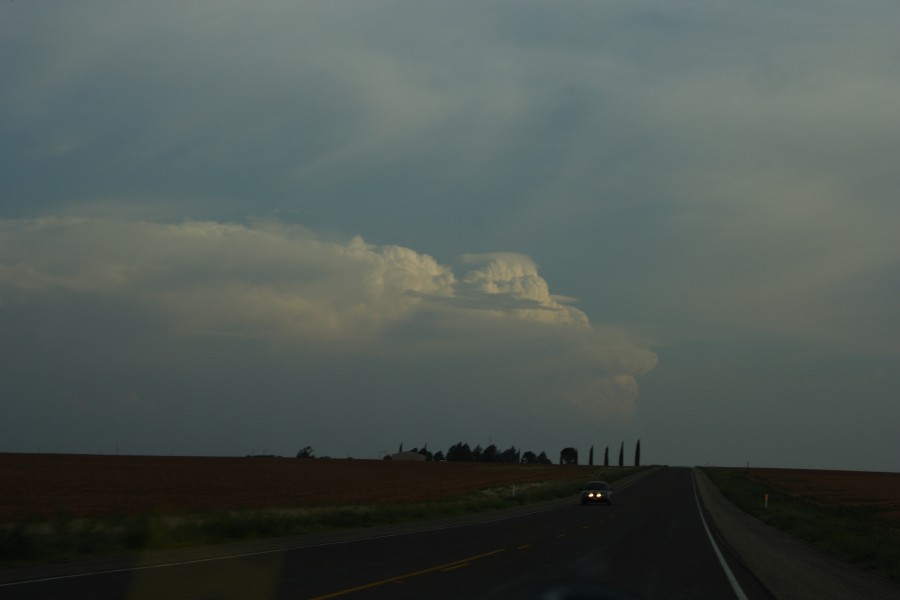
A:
x: 407, y: 456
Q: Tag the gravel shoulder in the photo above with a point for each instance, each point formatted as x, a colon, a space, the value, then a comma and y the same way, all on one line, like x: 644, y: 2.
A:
x: 791, y: 569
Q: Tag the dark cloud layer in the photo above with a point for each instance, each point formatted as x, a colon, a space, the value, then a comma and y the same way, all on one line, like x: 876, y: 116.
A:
x: 709, y: 182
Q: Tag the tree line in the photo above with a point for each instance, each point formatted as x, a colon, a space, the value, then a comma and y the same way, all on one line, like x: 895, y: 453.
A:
x: 462, y: 452
x: 569, y: 456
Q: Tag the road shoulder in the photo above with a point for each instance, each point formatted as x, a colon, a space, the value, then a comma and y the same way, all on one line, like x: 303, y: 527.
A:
x: 789, y: 568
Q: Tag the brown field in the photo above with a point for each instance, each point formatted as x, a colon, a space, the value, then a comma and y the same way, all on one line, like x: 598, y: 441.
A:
x: 859, y: 489
x: 86, y: 485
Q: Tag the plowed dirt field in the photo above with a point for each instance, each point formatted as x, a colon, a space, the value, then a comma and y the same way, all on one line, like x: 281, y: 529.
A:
x: 871, y: 490
x: 83, y: 485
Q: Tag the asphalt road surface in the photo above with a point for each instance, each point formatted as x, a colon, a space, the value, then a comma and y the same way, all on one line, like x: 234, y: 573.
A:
x: 652, y: 543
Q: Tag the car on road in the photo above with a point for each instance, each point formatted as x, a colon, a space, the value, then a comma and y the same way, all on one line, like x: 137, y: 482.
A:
x: 596, y: 492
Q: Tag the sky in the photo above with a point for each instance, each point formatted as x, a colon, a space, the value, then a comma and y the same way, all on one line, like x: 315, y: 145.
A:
x: 232, y: 228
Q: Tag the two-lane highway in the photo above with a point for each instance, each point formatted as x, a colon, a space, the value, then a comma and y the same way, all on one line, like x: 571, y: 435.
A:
x: 651, y: 543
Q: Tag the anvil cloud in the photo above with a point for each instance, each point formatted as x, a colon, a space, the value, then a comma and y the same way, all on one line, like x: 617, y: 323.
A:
x: 241, y: 289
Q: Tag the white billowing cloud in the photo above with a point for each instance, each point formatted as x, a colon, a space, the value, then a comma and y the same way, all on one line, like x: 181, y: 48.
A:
x: 280, y: 283
x: 514, y: 278
x: 263, y: 280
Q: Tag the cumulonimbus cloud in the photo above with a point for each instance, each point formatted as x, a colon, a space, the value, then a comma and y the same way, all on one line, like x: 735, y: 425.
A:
x: 273, y: 281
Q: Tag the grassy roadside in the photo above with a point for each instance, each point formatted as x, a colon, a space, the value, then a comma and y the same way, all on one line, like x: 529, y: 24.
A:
x: 64, y: 536
x: 854, y: 534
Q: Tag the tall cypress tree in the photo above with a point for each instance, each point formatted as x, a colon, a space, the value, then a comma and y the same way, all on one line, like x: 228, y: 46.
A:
x: 606, y: 457
x: 622, y: 455
x: 637, y: 454
x: 591, y: 457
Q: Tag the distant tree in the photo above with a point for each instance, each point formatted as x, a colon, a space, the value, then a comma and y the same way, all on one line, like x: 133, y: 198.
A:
x: 591, y: 457
x: 401, y: 448
x: 490, y: 454
x: 637, y: 454
x: 622, y: 455
x: 568, y: 456
x: 459, y: 452
x: 529, y: 458
x: 454, y: 451
x: 306, y: 452
x: 477, y: 451
x: 438, y: 456
x: 542, y: 459
x: 606, y: 457
x: 510, y: 455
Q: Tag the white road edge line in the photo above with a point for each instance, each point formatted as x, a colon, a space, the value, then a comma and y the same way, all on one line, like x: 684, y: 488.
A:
x: 731, y: 578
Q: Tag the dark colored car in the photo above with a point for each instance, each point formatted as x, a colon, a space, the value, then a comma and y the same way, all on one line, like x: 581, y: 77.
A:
x: 596, y: 491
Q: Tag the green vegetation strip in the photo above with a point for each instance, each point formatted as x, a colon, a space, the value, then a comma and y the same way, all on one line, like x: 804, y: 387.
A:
x: 853, y: 533
x: 65, y: 536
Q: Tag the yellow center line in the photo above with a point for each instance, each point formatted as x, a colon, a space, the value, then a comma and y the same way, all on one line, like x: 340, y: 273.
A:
x: 523, y: 546
x: 455, y: 567
x: 559, y: 535
x: 444, y: 567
